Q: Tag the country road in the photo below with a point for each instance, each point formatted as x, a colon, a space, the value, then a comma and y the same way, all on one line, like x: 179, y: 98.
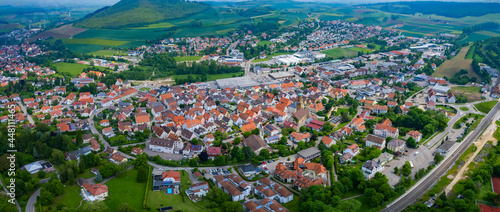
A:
x: 415, y: 192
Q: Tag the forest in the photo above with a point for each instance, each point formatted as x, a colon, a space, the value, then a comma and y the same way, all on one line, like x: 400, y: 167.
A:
x: 453, y: 9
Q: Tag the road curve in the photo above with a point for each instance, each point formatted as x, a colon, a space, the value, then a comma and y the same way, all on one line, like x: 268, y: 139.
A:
x: 426, y: 182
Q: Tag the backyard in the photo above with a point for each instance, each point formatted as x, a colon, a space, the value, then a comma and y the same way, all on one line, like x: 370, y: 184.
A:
x: 180, y: 202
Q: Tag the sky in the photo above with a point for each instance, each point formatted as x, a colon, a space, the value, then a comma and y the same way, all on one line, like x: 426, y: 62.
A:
x: 111, y: 2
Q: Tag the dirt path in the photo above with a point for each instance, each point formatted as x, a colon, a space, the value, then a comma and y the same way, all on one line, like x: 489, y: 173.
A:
x: 485, y: 137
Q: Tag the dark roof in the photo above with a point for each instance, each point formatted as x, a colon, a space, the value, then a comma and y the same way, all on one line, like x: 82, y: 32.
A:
x: 375, y: 139
x: 254, y: 142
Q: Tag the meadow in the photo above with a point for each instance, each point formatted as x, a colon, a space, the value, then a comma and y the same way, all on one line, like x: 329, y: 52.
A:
x: 109, y: 52
x: 73, y: 69
x: 455, y: 64
x: 472, y: 93
x: 340, y: 53
x: 125, y: 190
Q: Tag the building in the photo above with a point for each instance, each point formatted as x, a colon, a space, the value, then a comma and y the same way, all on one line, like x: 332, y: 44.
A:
x: 96, y: 192
x: 396, y: 145
x: 370, y: 168
x: 37, y: 166
x: 384, y: 158
x: 198, y: 189
x: 415, y: 134
x: 166, y: 181
x: 446, y: 147
x: 118, y: 158
x: 309, y: 154
x: 375, y: 141
x: 256, y: 144
x: 227, y: 185
x: 296, y: 137
x: 385, y: 130
x: 282, y: 195
x: 328, y: 141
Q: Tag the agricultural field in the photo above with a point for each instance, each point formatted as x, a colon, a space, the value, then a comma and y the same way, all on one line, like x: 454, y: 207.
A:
x: 457, y: 63
x: 187, y: 58
x: 66, y: 31
x: 95, y: 42
x: 340, y: 53
x: 473, y: 93
x: 485, y: 107
x: 260, y: 60
x: 475, y: 36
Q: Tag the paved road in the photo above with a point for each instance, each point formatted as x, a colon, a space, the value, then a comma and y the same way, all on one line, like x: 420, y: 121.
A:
x: 426, y: 182
x: 25, y: 111
x: 30, y: 206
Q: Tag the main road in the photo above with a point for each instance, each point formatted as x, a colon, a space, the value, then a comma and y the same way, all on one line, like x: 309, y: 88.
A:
x: 426, y: 182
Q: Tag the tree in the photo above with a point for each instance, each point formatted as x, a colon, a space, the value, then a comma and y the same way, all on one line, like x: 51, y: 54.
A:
x: 264, y: 153
x: 194, y: 162
x: 396, y: 170
x: 438, y: 157
x: 231, y: 206
x: 55, y: 187
x: 220, y: 160
x: 57, y: 157
x: 411, y: 142
x: 142, y: 166
x: 98, y: 177
x: 376, y: 199
x: 237, y: 141
x: 46, y: 197
x: 108, y: 170
x: 349, y: 205
x: 406, y: 171
x: 461, y: 205
x: 203, y: 156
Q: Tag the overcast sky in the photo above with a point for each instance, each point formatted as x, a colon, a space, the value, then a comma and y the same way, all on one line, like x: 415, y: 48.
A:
x: 111, y: 2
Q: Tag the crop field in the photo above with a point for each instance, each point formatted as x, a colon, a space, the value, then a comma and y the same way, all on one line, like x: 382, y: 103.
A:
x: 340, y: 52
x: 65, y: 31
x: 475, y: 37
x: 158, y: 25
x: 457, y: 63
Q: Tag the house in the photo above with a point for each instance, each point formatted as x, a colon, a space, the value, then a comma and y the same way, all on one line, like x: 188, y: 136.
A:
x: 108, y: 132
x: 370, y: 168
x: 415, y: 135
x: 137, y: 151
x: 96, y: 192
x: 256, y: 144
x: 283, y: 195
x: 249, y: 170
x: 328, y: 141
x: 227, y: 185
x: 386, y: 131
x: 315, y: 125
x: 296, y: 137
x: 166, y: 145
x: 118, y: 158
x: 37, y: 166
x: 396, y: 145
x: 214, y: 151
x: 142, y: 118
x: 349, y: 152
x: 271, y: 130
x: 375, y: 141
x: 168, y: 181
x: 450, y: 98
x: 199, y: 189
x: 104, y: 123
x: 302, y: 115
x: 94, y: 145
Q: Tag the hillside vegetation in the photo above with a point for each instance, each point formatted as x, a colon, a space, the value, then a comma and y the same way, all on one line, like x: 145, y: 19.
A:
x: 135, y: 13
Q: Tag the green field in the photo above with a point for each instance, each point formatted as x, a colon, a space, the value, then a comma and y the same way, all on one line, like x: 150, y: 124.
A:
x: 71, y: 197
x: 485, y: 107
x: 359, y: 49
x: 293, y: 206
x: 187, y: 58
x: 109, y: 53
x: 95, y: 42
x: 260, y: 60
x: 145, y: 89
x: 340, y: 53
x: 73, y: 69
x: 262, y: 43
x: 158, y: 25
x: 125, y: 190
x: 475, y: 37
x: 464, y: 108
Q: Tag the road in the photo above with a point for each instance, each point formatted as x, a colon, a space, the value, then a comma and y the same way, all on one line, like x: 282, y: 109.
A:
x: 5, y: 189
x: 30, y: 206
x: 25, y: 111
x: 415, y: 192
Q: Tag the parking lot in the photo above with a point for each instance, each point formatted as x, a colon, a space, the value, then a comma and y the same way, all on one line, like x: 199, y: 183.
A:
x: 423, y: 158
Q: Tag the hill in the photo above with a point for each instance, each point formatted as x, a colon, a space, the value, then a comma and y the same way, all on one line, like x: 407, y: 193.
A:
x: 135, y: 13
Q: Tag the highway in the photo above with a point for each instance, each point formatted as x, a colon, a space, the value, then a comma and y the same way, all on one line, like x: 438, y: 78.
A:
x: 415, y: 192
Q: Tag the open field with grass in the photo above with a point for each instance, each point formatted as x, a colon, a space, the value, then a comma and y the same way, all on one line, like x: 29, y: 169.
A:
x: 293, y: 206
x: 262, y: 43
x: 72, y: 68
x: 475, y: 36
x: 359, y: 49
x: 457, y: 63
x: 485, y: 107
x: 95, y: 42
x: 125, y: 190
x: 187, y: 58
x: 158, y: 199
x: 260, y: 60
x: 109, y: 53
x: 472, y: 93
x: 340, y: 53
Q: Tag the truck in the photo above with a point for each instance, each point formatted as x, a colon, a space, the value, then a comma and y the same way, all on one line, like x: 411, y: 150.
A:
x: 411, y: 164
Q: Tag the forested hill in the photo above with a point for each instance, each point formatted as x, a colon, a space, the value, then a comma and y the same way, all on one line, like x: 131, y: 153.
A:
x: 134, y: 13
x: 448, y: 9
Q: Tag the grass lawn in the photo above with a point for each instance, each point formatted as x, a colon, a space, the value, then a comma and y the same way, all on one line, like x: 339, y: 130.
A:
x: 145, y: 89
x: 455, y: 64
x: 464, y: 108
x: 71, y: 197
x: 293, y: 206
x: 340, y: 110
x: 260, y: 60
x: 125, y: 190
x: 158, y: 199
x: 262, y: 43
x: 73, y: 69
x: 109, y: 53
x: 340, y: 53
x: 496, y: 135
x: 187, y: 58
x: 485, y: 107
x: 472, y: 93
x: 359, y: 49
